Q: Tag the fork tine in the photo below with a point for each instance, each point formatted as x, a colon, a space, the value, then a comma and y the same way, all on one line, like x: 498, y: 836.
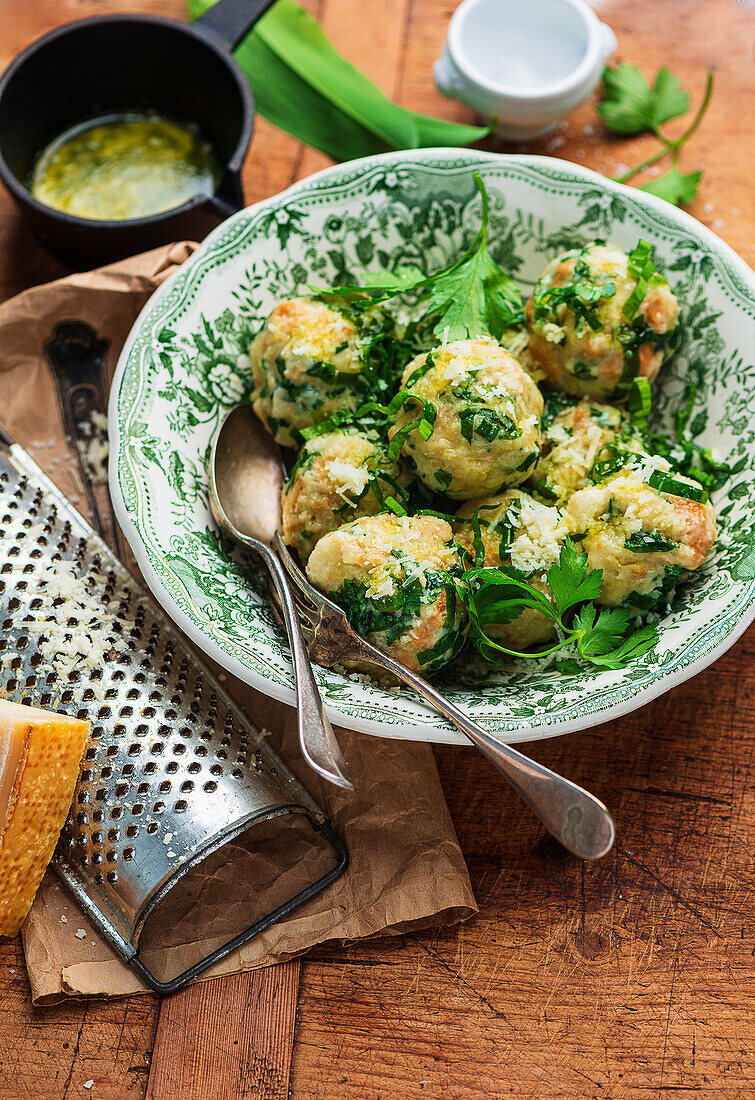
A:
x: 308, y: 615
x: 297, y: 577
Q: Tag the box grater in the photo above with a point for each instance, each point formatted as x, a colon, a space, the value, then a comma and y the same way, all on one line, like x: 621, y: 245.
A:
x: 173, y: 769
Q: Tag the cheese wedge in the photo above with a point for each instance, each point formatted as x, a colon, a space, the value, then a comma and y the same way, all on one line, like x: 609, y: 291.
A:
x: 39, y: 763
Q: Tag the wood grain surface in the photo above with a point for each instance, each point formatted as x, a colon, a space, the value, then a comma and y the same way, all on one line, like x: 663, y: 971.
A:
x: 629, y: 978
x: 222, y: 1039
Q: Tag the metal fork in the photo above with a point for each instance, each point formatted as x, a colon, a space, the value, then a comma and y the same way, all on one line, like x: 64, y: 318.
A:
x: 576, y: 818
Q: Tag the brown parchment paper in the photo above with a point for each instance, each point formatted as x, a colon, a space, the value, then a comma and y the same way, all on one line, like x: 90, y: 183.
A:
x: 406, y: 868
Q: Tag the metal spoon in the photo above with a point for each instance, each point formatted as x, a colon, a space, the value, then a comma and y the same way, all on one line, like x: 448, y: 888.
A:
x: 246, y: 475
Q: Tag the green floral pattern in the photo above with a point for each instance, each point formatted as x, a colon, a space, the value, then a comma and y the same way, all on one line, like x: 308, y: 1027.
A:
x: 185, y: 365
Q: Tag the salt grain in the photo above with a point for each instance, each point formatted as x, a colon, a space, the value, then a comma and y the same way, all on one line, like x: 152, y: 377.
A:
x: 81, y: 933
x: 63, y: 919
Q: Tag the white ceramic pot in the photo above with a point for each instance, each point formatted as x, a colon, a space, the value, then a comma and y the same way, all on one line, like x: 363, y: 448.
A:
x: 525, y: 63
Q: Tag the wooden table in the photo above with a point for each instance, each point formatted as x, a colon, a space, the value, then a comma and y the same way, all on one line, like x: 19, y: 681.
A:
x: 629, y: 978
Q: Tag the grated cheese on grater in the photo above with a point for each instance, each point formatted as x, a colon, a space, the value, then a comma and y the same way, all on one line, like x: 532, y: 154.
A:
x: 75, y: 625
x: 94, y: 448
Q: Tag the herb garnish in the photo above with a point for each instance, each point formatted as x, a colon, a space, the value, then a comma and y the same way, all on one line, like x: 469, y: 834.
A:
x: 641, y: 267
x: 498, y: 596
x: 639, y: 401
x: 633, y: 337
x: 470, y: 297
x: 657, y: 596
x: 580, y: 295
x: 616, y: 458
x: 649, y: 542
x: 397, y: 613
x: 631, y: 106
x: 667, y: 483
x: 685, y: 456
x: 489, y: 423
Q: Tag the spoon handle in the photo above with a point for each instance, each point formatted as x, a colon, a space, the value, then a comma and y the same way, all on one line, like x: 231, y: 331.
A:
x: 576, y: 818
x: 316, y: 737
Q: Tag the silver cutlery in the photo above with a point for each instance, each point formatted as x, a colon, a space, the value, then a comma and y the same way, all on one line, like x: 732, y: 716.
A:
x: 576, y: 818
x: 246, y: 476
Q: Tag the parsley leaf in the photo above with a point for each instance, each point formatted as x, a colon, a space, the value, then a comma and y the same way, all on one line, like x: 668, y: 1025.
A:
x: 499, y: 596
x: 406, y: 277
x: 603, y: 630
x: 569, y: 667
x: 477, y: 296
x: 674, y: 186
x: 471, y: 297
x: 631, y: 106
x: 379, y: 287
x: 571, y: 580
x: 635, y: 645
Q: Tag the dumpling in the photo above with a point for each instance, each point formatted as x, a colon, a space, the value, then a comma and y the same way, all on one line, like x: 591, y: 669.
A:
x: 642, y: 538
x: 307, y: 364
x: 580, y: 335
x: 484, y: 411
x: 338, y: 476
x: 393, y: 576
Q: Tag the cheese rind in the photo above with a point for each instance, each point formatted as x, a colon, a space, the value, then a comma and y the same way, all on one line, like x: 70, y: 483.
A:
x: 42, y: 751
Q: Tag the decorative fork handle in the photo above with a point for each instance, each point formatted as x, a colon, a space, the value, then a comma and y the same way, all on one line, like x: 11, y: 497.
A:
x: 316, y: 737
x: 576, y: 818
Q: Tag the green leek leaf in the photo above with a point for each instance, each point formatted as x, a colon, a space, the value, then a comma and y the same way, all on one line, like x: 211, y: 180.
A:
x: 304, y: 86
x: 300, y: 42
x: 292, y: 104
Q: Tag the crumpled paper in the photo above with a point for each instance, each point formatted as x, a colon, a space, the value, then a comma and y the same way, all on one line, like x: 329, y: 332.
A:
x: 406, y: 868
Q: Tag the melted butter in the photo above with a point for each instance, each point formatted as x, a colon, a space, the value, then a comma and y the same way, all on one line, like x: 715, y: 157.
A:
x: 124, y: 166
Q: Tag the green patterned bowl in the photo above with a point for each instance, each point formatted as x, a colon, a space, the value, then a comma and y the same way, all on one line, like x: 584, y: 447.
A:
x: 180, y: 371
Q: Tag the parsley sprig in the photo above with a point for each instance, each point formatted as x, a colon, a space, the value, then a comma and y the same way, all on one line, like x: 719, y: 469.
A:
x: 632, y: 106
x: 601, y: 635
x: 471, y: 297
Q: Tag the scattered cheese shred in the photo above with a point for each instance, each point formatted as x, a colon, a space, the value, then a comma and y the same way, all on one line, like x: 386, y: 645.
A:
x: 94, y: 446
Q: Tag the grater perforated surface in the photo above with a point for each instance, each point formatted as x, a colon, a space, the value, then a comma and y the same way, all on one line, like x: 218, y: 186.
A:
x: 172, y: 769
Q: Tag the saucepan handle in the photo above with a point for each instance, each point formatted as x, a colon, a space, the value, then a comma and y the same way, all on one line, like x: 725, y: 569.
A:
x: 231, y: 20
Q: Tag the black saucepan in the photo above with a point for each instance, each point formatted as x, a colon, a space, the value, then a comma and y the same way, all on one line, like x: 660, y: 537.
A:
x: 112, y: 63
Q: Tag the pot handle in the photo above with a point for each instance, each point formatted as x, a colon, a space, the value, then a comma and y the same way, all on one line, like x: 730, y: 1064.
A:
x: 231, y: 20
